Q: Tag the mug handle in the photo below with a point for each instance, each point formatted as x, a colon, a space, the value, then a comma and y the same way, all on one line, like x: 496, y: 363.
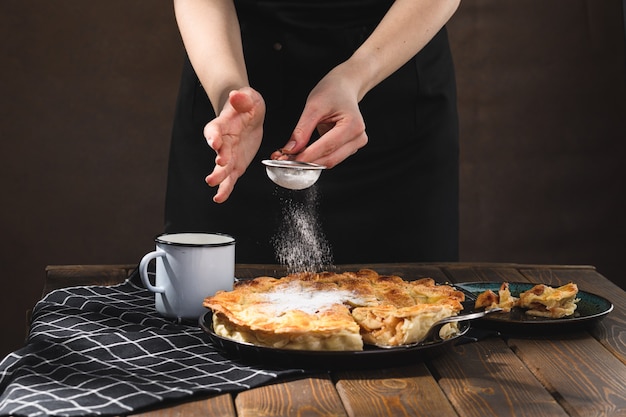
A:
x: 143, y: 270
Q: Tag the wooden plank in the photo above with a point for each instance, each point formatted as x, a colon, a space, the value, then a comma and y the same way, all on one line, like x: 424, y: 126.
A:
x: 409, y: 391
x: 221, y: 405
x: 611, y: 331
x: 478, y: 273
x: 62, y: 276
x: 487, y: 379
x: 315, y: 396
x: 250, y: 271
x: 586, y: 379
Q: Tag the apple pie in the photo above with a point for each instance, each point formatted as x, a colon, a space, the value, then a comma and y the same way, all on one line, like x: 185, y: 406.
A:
x: 333, y: 311
x: 539, y: 301
x: 503, y: 299
x: 545, y: 301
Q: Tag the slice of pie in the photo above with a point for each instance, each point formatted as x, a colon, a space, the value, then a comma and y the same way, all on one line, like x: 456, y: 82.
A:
x: 545, y: 301
x: 331, y: 311
x: 503, y: 299
x: 387, y: 325
x: 539, y: 301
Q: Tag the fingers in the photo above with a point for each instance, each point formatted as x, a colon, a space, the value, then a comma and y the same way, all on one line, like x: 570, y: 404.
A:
x: 332, y: 149
x: 224, y: 190
x: 301, y: 134
x: 286, y: 152
x: 225, y: 179
x: 279, y: 155
x: 338, y: 141
x: 225, y: 152
x: 235, y: 135
x: 213, y: 135
x: 299, y: 139
x: 241, y: 101
x: 218, y: 175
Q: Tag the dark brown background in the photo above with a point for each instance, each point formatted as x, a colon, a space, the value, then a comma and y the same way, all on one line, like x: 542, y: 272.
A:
x: 88, y: 90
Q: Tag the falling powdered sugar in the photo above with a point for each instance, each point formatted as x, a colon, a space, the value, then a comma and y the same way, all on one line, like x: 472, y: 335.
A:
x: 300, y: 244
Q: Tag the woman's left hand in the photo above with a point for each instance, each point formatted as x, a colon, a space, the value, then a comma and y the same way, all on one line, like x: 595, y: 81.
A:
x: 235, y: 135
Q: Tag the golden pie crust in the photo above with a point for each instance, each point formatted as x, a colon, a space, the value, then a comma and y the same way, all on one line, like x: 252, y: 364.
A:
x: 503, y: 299
x: 539, y: 301
x: 333, y: 311
x: 545, y: 301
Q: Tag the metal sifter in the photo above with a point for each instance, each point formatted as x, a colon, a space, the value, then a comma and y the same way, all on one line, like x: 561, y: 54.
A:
x: 294, y: 175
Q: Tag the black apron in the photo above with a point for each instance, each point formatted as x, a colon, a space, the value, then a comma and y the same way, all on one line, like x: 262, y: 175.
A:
x: 395, y: 200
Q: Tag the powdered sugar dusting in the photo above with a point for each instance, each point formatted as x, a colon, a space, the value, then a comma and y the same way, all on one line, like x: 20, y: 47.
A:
x: 294, y: 296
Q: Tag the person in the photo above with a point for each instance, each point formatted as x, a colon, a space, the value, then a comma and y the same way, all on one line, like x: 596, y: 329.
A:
x: 364, y: 87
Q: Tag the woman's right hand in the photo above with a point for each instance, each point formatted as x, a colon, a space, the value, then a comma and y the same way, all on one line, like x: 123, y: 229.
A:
x: 235, y: 135
x: 332, y: 108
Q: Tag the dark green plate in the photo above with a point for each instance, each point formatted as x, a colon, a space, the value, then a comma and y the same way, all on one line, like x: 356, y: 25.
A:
x: 591, y: 309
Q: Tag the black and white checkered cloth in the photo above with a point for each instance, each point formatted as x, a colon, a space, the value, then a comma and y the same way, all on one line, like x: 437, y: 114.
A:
x: 105, y: 351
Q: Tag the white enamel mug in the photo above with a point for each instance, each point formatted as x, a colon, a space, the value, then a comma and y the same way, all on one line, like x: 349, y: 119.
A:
x: 189, y: 268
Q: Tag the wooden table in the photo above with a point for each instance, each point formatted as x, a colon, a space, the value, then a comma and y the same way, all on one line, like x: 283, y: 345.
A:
x: 576, y: 374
